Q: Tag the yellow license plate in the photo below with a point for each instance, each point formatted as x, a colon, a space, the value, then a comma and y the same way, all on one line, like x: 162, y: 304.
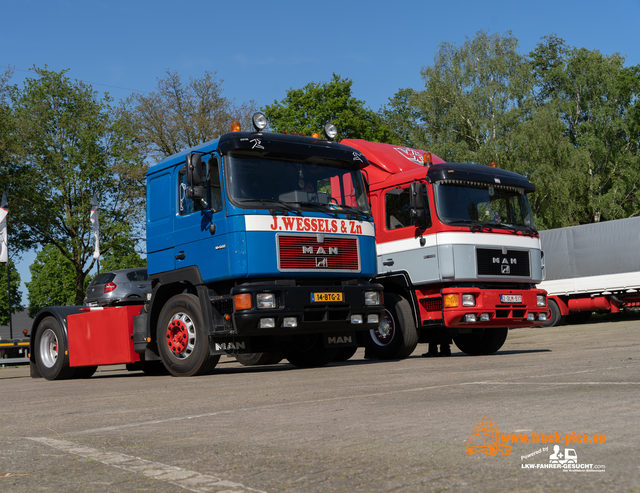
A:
x: 315, y: 297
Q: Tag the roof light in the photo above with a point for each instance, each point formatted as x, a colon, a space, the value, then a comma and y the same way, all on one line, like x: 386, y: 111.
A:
x: 259, y: 121
x: 236, y: 127
x: 493, y: 164
x: 330, y: 131
x: 428, y: 159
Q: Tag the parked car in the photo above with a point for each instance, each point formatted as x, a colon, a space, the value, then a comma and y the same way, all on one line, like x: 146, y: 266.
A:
x: 108, y: 288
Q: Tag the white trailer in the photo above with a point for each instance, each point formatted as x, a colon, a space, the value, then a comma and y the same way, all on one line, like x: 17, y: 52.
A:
x: 592, y: 267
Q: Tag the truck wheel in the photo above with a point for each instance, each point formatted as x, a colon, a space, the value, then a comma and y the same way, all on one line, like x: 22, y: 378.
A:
x: 481, y: 341
x: 51, y: 348
x: 182, y: 341
x: 344, y: 353
x: 311, y: 353
x: 396, y: 336
x: 556, y: 317
x: 255, y: 359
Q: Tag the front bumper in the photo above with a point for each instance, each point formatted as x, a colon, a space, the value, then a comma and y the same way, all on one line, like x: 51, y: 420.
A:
x: 522, y: 313
x: 296, y: 302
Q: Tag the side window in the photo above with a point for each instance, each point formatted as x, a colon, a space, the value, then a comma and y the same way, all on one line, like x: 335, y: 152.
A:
x: 185, y: 205
x: 398, y: 210
x: 215, y: 190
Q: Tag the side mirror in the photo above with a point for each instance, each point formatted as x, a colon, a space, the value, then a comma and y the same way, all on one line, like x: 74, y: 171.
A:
x: 194, y: 170
x: 416, y: 200
x: 195, y: 190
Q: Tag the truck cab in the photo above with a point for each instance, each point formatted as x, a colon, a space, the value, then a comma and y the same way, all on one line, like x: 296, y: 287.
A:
x: 458, y: 252
x: 274, y: 235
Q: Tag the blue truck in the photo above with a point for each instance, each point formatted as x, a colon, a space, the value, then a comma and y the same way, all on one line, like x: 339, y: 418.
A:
x: 257, y: 243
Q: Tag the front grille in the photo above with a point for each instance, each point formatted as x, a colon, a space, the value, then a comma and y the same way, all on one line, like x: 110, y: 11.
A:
x: 492, y: 262
x: 305, y: 253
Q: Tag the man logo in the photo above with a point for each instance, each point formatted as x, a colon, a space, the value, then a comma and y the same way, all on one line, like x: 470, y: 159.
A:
x: 322, y: 262
x: 320, y: 250
x: 505, y: 269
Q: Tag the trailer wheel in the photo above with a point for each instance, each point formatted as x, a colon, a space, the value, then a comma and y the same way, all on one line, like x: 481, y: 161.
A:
x: 556, y: 317
x: 182, y: 341
x: 256, y: 359
x: 344, y: 353
x: 396, y: 336
x: 310, y: 353
x: 51, y: 351
x: 481, y: 341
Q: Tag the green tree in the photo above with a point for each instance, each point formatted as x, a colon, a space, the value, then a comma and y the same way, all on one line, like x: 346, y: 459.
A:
x: 122, y: 255
x: 6, y: 290
x: 596, y: 98
x: 472, y: 101
x: 179, y: 115
x: 307, y: 110
x: 53, y: 280
x: 71, y: 144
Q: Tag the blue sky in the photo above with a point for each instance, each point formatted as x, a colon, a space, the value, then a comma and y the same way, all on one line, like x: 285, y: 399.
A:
x: 262, y: 49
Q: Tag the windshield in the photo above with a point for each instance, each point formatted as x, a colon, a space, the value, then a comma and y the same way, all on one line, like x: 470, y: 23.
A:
x: 260, y: 183
x: 493, y: 206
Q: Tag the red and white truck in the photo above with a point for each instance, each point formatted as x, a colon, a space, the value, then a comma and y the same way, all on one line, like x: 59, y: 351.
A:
x: 458, y: 253
x: 591, y: 268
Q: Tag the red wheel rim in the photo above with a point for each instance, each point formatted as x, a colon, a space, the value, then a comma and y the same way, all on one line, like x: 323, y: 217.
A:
x: 383, y: 334
x: 177, y: 336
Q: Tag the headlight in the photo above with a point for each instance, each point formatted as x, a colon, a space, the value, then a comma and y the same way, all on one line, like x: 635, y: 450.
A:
x: 371, y: 298
x: 468, y: 300
x: 266, y: 300
x: 259, y: 121
x: 330, y: 131
x: 541, y: 299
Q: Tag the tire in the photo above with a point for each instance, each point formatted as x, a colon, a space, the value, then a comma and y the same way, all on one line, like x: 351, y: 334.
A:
x: 182, y: 342
x: 51, y: 351
x: 344, y: 353
x: 396, y: 336
x: 310, y: 353
x: 85, y: 371
x: 256, y: 359
x: 481, y: 341
x: 556, y: 317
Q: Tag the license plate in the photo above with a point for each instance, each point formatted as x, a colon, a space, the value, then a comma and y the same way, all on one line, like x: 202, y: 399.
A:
x: 510, y: 298
x: 324, y: 297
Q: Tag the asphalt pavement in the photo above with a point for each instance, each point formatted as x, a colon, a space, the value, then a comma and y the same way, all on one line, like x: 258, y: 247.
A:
x: 420, y: 424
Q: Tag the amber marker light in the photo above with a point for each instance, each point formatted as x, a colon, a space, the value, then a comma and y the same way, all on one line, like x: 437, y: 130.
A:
x: 242, y: 301
x: 451, y: 300
x: 493, y: 164
x: 316, y: 135
x: 236, y: 127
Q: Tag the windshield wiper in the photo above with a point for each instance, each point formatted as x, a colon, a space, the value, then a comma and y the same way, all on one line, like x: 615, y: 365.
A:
x: 349, y: 210
x: 472, y: 224
x: 315, y: 205
x: 284, y: 205
x: 525, y: 230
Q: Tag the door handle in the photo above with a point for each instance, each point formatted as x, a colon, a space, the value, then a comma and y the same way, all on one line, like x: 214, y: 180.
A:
x: 388, y: 262
x: 181, y: 256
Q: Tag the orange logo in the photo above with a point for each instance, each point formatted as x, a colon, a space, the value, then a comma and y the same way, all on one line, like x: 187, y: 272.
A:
x: 485, y: 439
